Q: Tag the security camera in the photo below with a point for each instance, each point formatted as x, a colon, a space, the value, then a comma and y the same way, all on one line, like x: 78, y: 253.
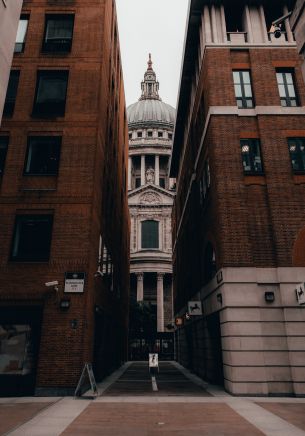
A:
x: 277, y: 32
x: 51, y: 284
x: 98, y: 274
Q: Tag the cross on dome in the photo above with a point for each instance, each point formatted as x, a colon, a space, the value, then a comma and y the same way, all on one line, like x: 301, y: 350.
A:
x: 150, y: 85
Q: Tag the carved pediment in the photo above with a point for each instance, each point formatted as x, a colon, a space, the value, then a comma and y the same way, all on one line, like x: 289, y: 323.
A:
x: 150, y: 198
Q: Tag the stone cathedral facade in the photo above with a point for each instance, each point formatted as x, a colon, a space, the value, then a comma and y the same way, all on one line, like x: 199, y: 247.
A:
x: 150, y: 198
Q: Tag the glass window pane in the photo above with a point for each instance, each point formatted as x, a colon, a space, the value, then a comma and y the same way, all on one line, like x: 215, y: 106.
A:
x: 279, y: 77
x: 150, y: 234
x: 236, y: 77
x: 282, y: 91
x: 22, y: 28
x: 249, y: 103
x: 238, y: 92
x: 43, y: 155
x: 3, y: 151
x: 248, y: 91
x: 246, y: 77
x: 58, y: 29
x: 291, y: 91
x: 289, y: 78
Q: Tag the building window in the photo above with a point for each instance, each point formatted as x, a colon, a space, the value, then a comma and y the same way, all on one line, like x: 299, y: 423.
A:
x: 130, y: 135
x: 297, y: 154
x: 160, y: 134
x: 51, y: 91
x: 150, y: 234
x: 287, y: 90
x: 58, y: 33
x: 42, y: 158
x: 243, y: 89
x: 3, y: 151
x: 139, y: 134
x: 251, y: 156
x: 32, y: 238
x: 11, y: 93
x: 170, y: 136
x: 149, y: 134
x: 209, y: 266
x: 21, y: 33
x: 205, y: 182
x: 138, y: 182
x: 162, y: 182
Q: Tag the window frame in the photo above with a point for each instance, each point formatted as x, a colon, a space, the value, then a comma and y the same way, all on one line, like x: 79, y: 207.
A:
x: 3, y: 161
x: 297, y: 140
x: 24, y: 17
x: 251, y: 142
x: 56, y: 47
x: 9, y: 106
x: 287, y: 98
x: 242, y: 84
x: 57, y: 139
x: 157, y: 227
x: 40, y: 111
x: 19, y: 218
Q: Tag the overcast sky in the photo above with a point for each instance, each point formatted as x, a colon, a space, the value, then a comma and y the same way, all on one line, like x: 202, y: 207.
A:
x: 156, y: 27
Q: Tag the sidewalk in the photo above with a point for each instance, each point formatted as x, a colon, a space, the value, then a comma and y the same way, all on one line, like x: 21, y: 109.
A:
x: 121, y: 410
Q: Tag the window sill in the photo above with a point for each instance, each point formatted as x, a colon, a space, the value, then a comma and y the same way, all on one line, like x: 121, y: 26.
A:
x: 254, y: 179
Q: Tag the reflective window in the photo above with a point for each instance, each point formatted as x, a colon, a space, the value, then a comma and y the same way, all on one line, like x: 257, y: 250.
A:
x: 16, y: 349
x: 251, y: 155
x: 11, y: 93
x: 286, y: 86
x: 21, y: 33
x: 51, y: 90
x: 243, y: 89
x: 3, y: 151
x: 58, y: 33
x: 150, y: 234
x: 32, y: 238
x: 297, y: 154
x: 42, y: 155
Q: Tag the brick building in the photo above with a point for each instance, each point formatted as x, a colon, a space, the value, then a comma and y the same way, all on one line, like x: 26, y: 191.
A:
x: 9, y: 18
x: 63, y: 200
x: 238, y: 219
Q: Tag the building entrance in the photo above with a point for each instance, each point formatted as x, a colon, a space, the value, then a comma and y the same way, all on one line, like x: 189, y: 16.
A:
x: 20, y: 328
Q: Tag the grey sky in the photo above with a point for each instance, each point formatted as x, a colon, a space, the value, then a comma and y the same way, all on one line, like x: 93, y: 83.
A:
x: 156, y: 27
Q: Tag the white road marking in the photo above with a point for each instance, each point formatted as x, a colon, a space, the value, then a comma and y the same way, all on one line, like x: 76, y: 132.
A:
x: 154, y: 383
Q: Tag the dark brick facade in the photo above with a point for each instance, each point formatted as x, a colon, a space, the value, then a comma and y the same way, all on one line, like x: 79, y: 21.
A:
x: 87, y: 198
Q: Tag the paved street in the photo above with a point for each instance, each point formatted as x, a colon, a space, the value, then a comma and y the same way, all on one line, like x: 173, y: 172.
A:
x: 175, y: 402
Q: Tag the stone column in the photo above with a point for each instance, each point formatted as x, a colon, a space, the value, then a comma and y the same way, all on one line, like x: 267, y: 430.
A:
x: 223, y: 24
x: 142, y: 170
x: 140, y: 287
x: 129, y: 173
x: 249, y: 24
x: 157, y: 170
x: 214, y: 24
x: 287, y: 26
x: 263, y: 23
x: 207, y: 24
x: 160, y: 303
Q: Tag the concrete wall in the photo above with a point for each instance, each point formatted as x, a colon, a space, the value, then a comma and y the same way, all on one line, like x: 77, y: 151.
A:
x: 9, y: 18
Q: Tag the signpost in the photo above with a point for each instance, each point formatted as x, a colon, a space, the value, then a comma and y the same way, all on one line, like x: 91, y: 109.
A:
x: 86, y: 372
x: 194, y: 308
x: 300, y: 293
x: 74, y: 282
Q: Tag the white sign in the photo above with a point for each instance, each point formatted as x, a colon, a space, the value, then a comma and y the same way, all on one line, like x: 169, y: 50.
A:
x: 300, y: 293
x: 153, y: 360
x: 194, y: 308
x: 74, y: 282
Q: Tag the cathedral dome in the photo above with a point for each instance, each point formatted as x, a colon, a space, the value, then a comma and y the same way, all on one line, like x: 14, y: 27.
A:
x: 150, y: 109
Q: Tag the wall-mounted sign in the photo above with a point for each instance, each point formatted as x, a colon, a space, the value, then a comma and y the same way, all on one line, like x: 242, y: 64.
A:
x: 153, y: 360
x: 194, y: 308
x: 74, y: 282
x: 300, y: 293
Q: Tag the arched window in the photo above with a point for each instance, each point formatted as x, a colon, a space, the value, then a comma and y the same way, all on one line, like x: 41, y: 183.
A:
x: 150, y: 234
x: 209, y: 263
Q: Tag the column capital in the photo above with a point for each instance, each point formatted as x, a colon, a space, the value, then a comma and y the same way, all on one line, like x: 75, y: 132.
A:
x: 160, y: 275
x: 140, y: 275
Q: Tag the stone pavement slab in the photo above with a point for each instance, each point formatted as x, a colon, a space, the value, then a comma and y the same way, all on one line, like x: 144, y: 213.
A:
x: 14, y: 414
x: 291, y: 412
x: 133, y: 419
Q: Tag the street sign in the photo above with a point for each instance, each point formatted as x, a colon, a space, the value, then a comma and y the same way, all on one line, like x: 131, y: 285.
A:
x: 153, y: 360
x: 300, y: 293
x: 74, y: 282
x: 194, y: 308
